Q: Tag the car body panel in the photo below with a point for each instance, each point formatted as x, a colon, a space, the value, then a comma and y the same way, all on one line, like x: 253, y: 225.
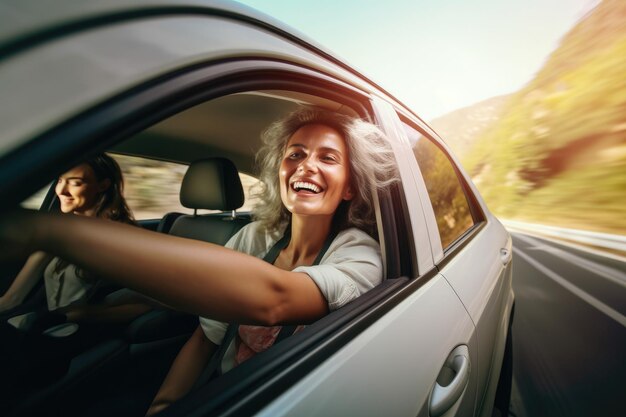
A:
x: 481, y: 286
x: 484, y: 289
x: 395, y: 351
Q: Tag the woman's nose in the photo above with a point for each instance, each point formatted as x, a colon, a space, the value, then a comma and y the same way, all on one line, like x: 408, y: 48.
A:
x: 61, y: 188
x: 307, y: 164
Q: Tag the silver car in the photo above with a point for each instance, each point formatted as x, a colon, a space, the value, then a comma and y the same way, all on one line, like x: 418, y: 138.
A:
x: 171, y: 82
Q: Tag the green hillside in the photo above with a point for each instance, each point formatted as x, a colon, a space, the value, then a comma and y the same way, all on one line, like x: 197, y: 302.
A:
x: 557, y: 155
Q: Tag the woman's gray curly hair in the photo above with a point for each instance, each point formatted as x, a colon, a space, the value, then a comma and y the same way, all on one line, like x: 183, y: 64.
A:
x: 372, y: 167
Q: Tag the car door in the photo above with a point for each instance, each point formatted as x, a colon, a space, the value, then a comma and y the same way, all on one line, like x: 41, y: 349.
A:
x: 470, y: 249
x: 418, y: 205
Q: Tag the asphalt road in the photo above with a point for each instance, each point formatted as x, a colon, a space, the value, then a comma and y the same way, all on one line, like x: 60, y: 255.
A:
x: 569, y: 332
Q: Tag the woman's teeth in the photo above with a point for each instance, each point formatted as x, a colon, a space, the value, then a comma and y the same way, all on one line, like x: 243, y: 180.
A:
x: 307, y: 186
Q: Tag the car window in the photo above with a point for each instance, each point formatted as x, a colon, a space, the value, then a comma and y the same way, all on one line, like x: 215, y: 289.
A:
x: 36, y: 200
x: 152, y: 187
x: 445, y: 190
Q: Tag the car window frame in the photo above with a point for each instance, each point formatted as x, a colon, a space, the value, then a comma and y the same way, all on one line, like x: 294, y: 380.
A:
x: 441, y: 256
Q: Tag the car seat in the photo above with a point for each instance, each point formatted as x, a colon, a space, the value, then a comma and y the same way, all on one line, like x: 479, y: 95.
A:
x: 210, y: 184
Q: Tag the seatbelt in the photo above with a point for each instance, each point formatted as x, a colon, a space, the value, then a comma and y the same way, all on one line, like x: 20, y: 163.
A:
x: 231, y: 332
x: 216, y: 359
x: 289, y: 329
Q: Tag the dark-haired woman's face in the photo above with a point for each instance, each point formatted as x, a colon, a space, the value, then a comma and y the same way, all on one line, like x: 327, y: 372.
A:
x: 78, y: 190
x: 315, y: 171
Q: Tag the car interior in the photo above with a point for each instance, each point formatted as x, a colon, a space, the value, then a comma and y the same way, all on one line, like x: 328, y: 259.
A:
x: 217, y: 140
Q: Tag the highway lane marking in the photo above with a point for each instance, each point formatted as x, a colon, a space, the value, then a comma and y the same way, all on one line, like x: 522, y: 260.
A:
x: 611, y: 274
x: 615, y: 315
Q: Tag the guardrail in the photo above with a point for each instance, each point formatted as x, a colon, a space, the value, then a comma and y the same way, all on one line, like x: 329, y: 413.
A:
x: 601, y: 240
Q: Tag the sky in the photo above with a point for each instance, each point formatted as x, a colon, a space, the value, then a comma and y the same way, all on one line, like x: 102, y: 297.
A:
x: 436, y: 56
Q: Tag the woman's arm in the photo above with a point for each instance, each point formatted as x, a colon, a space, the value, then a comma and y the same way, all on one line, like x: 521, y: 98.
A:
x: 193, y: 276
x: 187, y: 367
x: 102, y: 313
x: 25, y: 280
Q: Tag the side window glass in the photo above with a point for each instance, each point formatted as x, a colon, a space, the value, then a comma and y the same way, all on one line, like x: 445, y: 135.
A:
x: 152, y: 187
x: 36, y: 200
x: 446, y: 194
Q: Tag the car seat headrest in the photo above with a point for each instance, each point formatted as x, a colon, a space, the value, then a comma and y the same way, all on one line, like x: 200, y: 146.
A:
x: 212, y: 184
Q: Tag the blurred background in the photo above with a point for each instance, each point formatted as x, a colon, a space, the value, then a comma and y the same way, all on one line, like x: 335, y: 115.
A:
x: 554, y: 152
x: 531, y: 96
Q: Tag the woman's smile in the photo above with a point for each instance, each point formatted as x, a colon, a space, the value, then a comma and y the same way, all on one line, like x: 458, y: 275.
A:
x: 314, y: 172
x: 305, y: 186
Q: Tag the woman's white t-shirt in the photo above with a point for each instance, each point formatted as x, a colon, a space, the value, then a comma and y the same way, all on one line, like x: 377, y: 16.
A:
x: 351, y: 266
x: 65, y: 287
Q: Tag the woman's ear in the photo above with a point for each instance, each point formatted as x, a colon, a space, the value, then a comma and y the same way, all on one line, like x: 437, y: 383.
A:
x: 347, y: 193
x: 104, y: 185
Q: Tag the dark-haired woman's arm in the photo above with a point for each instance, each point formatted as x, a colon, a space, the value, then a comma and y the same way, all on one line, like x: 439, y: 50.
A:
x: 25, y: 280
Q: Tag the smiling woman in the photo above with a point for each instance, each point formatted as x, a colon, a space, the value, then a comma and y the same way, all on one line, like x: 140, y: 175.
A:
x: 308, y: 175
x: 78, y: 190
x: 338, y: 142
x: 314, y: 174
x: 318, y: 247
x: 93, y: 189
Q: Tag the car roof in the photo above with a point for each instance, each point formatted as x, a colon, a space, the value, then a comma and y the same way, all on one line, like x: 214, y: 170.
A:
x: 26, y: 22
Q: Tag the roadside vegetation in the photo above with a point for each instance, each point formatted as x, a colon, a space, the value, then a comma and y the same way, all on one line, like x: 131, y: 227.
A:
x: 557, y: 152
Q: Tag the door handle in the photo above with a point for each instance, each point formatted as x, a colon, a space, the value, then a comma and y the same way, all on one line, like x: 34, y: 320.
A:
x: 451, y: 382
x: 505, y: 256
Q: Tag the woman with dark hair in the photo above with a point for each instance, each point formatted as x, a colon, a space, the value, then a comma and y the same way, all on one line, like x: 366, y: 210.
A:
x: 94, y: 189
x: 110, y: 203
x: 36, y: 346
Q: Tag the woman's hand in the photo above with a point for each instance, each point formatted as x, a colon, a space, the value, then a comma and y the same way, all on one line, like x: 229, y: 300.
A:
x: 185, y: 371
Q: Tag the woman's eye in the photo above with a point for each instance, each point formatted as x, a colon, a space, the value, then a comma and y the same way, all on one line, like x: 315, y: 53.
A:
x: 294, y: 155
x: 75, y: 183
x: 329, y: 158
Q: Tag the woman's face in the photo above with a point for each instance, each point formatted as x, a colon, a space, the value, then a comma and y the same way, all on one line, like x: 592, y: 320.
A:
x: 78, y: 190
x: 315, y: 171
